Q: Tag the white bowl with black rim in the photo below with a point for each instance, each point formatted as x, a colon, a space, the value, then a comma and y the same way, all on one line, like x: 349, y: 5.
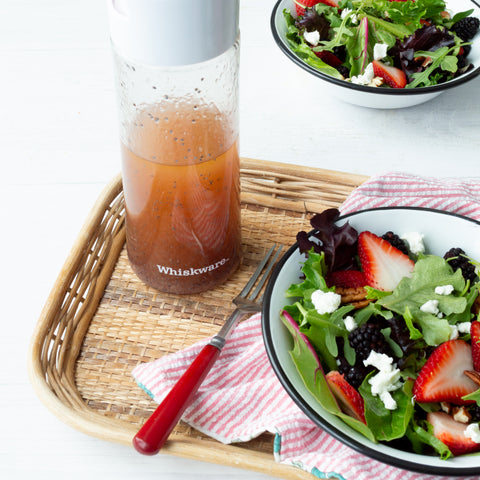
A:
x: 441, y: 231
x: 377, y: 97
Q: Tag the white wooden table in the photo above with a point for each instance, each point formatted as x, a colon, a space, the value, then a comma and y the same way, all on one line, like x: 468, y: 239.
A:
x: 59, y: 148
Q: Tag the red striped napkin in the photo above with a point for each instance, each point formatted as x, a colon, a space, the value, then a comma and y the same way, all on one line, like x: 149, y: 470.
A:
x: 460, y: 196
x: 241, y: 396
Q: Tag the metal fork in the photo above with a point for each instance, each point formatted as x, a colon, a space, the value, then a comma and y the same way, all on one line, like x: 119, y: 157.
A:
x: 154, y: 433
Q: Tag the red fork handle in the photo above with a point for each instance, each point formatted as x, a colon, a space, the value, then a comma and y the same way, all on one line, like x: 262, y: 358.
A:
x: 153, y: 434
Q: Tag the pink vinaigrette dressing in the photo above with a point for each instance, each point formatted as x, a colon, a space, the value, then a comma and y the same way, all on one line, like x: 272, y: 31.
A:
x: 181, y: 185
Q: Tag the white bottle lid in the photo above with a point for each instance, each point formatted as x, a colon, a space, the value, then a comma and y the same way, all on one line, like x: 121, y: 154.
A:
x: 172, y: 33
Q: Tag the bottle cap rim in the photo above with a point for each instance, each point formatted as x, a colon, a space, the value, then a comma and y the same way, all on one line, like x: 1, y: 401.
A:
x: 153, y: 33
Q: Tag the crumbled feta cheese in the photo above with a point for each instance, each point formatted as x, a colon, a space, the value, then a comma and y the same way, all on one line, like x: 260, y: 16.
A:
x: 430, y: 307
x: 378, y: 360
x: 387, y: 399
x: 350, y: 323
x: 456, y: 330
x: 380, y: 51
x: 386, y: 380
x: 473, y: 432
x: 453, y: 332
x: 464, y: 327
x: 312, y: 37
x: 325, y: 302
x: 353, y: 17
x: 366, y: 77
x: 444, y: 289
x: 415, y: 242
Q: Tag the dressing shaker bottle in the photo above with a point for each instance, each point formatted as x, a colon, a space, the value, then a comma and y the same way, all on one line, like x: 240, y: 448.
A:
x: 176, y: 74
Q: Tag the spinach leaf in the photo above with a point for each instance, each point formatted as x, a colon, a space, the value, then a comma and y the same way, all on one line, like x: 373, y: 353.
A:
x: 387, y: 424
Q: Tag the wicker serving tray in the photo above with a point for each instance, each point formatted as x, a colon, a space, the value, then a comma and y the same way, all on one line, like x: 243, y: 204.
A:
x: 100, y: 321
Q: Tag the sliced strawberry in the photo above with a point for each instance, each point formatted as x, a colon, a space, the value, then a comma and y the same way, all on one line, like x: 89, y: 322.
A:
x: 442, y: 378
x: 393, y: 76
x: 452, y: 433
x: 350, y: 401
x: 383, y: 265
x: 346, y: 279
x: 475, y: 341
x: 329, y: 58
x: 301, y: 5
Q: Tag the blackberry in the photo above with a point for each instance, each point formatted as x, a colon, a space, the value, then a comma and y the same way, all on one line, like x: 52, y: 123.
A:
x: 457, y: 260
x: 462, y: 62
x: 466, y: 28
x: 355, y: 374
x: 340, y: 52
x: 395, y: 241
x: 401, y: 335
x: 474, y: 411
x: 366, y: 338
x: 344, y: 71
x: 466, y: 50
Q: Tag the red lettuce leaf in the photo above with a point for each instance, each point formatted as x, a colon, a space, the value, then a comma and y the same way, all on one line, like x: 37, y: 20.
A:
x: 428, y: 38
x: 339, y: 244
x: 312, y: 21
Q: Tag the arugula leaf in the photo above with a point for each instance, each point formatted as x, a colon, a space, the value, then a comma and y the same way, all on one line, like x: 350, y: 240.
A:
x: 314, y: 270
x: 409, y: 13
x: 448, y: 23
x: 372, y: 309
x: 411, y: 293
x: 441, y: 59
x: 473, y: 396
x: 321, y: 329
x: 374, y: 294
x: 415, y: 333
x: 323, y: 333
x: 399, y: 30
x: 342, y: 32
x: 397, y: 350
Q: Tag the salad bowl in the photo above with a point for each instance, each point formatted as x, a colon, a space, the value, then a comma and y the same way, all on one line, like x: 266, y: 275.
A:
x: 441, y: 231
x: 369, y: 96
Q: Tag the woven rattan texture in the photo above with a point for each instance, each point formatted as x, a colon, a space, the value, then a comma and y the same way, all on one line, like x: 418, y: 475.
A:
x: 135, y: 324
x: 101, y: 321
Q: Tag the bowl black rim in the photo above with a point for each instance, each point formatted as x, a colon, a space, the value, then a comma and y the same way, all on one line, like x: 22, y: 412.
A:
x: 296, y: 397
x: 365, y: 88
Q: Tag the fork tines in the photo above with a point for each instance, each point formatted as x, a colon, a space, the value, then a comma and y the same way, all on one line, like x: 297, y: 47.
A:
x: 259, y: 270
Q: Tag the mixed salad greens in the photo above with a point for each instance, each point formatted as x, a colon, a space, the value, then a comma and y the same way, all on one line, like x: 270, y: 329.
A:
x: 393, y: 44
x: 419, y: 389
